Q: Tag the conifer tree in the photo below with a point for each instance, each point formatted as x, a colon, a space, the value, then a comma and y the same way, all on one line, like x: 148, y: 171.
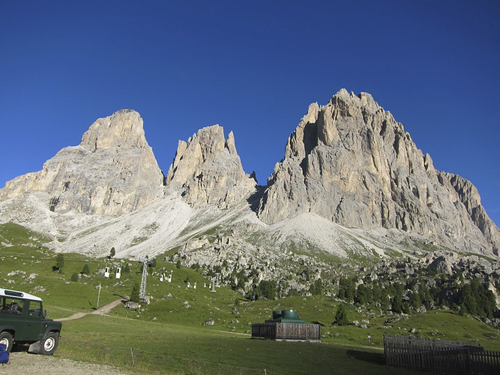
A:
x: 134, y: 296
x: 341, y: 315
x: 415, y: 301
x: 86, y: 269
x: 60, y: 261
x: 397, y: 304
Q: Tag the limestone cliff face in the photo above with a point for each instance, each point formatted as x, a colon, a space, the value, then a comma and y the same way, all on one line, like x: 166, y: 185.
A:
x: 113, y: 171
x: 208, y: 170
x: 352, y: 163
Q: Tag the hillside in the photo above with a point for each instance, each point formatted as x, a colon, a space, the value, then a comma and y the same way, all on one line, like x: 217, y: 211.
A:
x: 194, y: 330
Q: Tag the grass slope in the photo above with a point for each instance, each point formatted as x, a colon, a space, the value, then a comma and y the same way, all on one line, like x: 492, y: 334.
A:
x: 164, y: 348
x: 169, y: 335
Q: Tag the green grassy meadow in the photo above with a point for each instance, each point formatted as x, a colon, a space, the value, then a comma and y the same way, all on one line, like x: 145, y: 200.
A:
x: 169, y: 348
x: 169, y: 334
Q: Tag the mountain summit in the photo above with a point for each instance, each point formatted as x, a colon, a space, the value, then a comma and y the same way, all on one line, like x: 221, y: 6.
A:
x: 208, y: 170
x: 112, y: 171
x: 351, y: 180
x: 352, y: 163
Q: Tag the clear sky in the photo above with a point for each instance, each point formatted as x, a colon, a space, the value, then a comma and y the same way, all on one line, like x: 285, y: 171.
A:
x: 253, y: 67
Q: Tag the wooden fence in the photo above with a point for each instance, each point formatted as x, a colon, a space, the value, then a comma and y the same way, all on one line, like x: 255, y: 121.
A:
x: 286, y: 331
x: 447, y: 357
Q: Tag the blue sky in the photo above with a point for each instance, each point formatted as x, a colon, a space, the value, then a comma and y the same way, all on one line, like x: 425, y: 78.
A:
x: 253, y: 67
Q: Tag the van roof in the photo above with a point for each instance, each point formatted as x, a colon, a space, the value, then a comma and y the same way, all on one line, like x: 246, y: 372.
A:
x: 15, y: 293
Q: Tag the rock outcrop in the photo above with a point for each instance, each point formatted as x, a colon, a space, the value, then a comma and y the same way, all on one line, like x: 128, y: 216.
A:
x: 208, y: 170
x: 352, y: 163
x: 113, y: 171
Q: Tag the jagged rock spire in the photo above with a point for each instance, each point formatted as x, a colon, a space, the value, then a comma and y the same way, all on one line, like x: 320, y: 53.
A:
x: 208, y: 170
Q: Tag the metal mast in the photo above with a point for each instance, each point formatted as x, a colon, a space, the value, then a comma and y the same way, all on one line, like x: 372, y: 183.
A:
x: 142, y: 291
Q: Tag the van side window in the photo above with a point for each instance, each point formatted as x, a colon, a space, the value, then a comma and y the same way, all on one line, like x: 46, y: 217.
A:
x: 35, y: 308
x: 11, y: 305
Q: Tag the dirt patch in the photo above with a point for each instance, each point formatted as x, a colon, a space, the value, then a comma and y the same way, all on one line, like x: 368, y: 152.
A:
x: 22, y: 363
x: 101, y: 311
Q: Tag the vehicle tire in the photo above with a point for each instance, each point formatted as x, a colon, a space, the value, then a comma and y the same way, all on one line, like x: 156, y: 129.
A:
x: 6, y: 339
x: 49, y: 343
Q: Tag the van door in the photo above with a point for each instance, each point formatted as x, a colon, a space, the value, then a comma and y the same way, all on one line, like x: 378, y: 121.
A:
x: 12, y: 315
x: 34, y: 321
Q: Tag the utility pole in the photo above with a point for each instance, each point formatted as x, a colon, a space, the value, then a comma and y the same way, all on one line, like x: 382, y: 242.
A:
x: 98, y: 295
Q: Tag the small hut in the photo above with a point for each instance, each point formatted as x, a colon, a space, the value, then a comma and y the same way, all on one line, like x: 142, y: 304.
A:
x: 286, y: 325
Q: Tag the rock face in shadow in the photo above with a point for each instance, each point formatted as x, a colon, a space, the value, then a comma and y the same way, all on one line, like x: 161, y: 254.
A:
x: 208, y: 170
x: 113, y: 171
x: 351, y: 162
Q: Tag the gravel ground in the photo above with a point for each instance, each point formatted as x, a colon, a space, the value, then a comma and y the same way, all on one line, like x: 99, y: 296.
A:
x: 22, y: 363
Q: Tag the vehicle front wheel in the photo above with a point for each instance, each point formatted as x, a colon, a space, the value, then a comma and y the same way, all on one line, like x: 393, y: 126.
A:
x: 49, y: 343
x: 6, y: 339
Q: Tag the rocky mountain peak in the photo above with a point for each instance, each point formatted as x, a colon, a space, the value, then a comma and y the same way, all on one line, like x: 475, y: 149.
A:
x: 122, y: 128
x: 207, y: 169
x: 362, y: 101
x: 350, y: 162
x: 201, y: 148
x: 113, y: 171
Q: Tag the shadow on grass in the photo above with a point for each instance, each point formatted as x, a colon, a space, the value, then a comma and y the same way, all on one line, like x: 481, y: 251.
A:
x: 374, y: 358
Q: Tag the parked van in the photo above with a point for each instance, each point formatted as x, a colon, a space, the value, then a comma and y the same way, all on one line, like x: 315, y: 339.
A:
x: 23, y: 321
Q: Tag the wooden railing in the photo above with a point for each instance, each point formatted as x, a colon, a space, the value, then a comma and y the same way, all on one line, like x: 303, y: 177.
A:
x: 447, y: 357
